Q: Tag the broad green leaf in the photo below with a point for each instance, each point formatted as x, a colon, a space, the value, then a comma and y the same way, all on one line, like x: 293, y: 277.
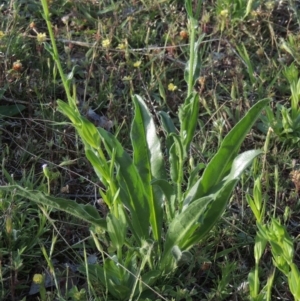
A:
x: 87, y: 212
x: 167, y: 123
x: 73, y: 115
x: 89, y: 133
x: 148, y: 159
x: 176, y: 252
x: 181, y: 257
x: 252, y: 284
x: 229, y: 148
x: 169, y: 194
x: 194, y: 175
x: 188, y: 116
x: 220, y: 164
x: 176, y: 157
x: 253, y: 207
x: 150, y: 278
x: 132, y: 193
x: 241, y: 162
x: 212, y: 214
x: 92, y: 141
x: 259, y: 247
x: 222, y: 193
x: 99, y: 166
x: 8, y: 111
x: 116, y: 228
x: 182, y: 227
x: 257, y: 194
x: 168, y: 127
x: 294, y: 281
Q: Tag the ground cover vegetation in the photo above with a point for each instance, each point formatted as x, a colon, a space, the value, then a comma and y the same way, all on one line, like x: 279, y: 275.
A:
x: 149, y: 150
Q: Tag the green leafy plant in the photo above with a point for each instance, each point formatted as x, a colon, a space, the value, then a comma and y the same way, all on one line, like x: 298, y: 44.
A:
x: 257, y: 204
x: 157, y: 213
x: 285, y: 121
x: 283, y: 253
x: 282, y: 249
x: 164, y: 221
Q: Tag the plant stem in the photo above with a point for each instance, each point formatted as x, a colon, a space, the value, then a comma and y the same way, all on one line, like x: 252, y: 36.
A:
x: 48, y: 184
x: 179, y: 183
x: 256, y: 280
x: 192, y: 54
x: 55, y: 51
